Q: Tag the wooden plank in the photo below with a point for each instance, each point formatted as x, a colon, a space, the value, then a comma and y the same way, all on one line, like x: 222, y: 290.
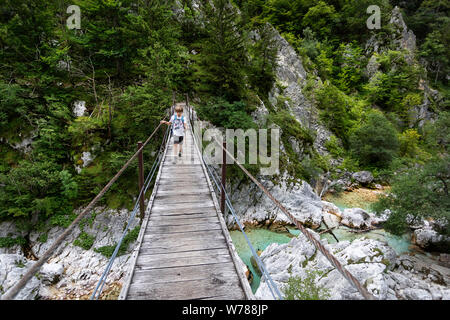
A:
x: 145, y: 261
x: 197, y: 182
x: 184, y: 273
x: 194, y: 168
x: 183, y: 228
x: 185, y: 187
x: 182, y: 207
x: 182, y: 198
x: 180, y: 166
x: 160, y: 218
x: 185, y: 219
x: 210, y: 253
x: 160, y: 247
x: 185, y: 177
x: 182, y: 236
x: 173, y: 192
x: 195, y: 289
x: 181, y: 223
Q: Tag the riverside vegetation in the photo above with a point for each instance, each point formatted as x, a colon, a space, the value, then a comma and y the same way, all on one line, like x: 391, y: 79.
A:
x: 381, y: 99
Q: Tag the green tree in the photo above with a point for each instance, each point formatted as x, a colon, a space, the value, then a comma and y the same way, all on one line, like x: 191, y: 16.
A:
x: 420, y: 192
x: 436, y: 51
x: 320, y: 18
x: 336, y: 110
x: 375, y: 143
x: 221, y: 59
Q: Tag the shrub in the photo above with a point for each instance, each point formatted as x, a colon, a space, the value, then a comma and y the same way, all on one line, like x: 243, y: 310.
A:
x: 421, y: 192
x: 84, y: 241
x: 305, y: 289
x: 108, y: 251
x: 375, y: 143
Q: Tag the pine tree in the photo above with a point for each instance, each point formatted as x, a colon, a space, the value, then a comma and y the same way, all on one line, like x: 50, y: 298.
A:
x: 221, y: 61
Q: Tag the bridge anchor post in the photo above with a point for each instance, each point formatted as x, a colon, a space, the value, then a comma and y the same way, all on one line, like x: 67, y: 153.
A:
x: 224, y: 177
x: 141, y: 180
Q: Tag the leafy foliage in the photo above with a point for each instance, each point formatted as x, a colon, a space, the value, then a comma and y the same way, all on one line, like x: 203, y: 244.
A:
x: 305, y: 288
x: 375, y: 143
x: 419, y: 192
x: 108, y: 251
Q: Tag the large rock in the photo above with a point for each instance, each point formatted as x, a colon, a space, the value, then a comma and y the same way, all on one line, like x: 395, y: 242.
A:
x: 291, y: 75
x: 374, y: 264
x: 429, y: 239
x: 332, y: 215
x: 403, y: 37
x: 12, y: 268
x: 79, y: 108
x: 366, y: 259
x: 253, y: 206
x: 356, y: 218
x: 51, y: 273
x: 363, y: 177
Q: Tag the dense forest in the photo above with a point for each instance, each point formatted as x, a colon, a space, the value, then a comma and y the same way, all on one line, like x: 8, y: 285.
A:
x: 131, y: 55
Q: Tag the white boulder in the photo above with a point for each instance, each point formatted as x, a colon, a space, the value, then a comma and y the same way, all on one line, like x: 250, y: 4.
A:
x: 356, y: 218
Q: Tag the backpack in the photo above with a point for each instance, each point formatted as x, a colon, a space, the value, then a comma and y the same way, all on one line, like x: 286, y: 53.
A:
x: 175, y: 119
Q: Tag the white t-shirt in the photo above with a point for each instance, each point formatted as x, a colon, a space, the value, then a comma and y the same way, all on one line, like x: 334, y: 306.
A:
x: 177, y: 125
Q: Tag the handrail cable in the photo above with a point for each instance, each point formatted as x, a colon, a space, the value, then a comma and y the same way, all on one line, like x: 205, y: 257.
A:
x: 347, y: 275
x: 12, y: 292
x: 271, y: 284
x: 102, y: 281
x: 364, y: 292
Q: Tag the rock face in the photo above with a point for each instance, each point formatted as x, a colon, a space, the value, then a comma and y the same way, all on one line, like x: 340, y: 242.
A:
x: 403, y: 38
x: 252, y: 205
x: 12, y: 268
x: 290, y: 75
x: 372, y: 262
x: 72, y: 272
x: 429, y: 239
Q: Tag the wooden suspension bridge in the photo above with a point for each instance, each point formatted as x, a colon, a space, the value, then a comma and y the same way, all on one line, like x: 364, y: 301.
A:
x: 184, y: 249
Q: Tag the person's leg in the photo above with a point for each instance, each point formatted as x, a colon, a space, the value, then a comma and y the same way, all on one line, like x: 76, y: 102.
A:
x: 175, y: 145
x: 180, y: 152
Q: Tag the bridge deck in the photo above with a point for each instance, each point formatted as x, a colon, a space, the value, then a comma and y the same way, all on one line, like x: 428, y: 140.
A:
x: 184, y: 249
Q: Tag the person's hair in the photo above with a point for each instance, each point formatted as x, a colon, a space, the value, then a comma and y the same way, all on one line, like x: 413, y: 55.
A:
x: 178, y: 109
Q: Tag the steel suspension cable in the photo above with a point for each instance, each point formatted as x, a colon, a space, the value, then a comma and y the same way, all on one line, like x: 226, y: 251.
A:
x: 318, y: 244
x: 99, y: 288
x: 11, y: 293
x: 270, y: 283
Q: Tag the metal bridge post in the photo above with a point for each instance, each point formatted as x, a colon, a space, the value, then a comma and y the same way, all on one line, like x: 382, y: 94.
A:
x: 224, y: 176
x: 141, y: 180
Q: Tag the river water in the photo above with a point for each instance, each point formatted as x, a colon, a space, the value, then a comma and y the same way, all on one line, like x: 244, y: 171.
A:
x: 261, y: 238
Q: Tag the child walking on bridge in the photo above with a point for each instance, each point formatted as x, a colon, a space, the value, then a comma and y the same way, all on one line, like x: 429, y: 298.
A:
x: 179, y: 127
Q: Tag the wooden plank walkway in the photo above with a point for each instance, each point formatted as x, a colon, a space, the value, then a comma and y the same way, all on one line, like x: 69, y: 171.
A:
x: 184, y: 249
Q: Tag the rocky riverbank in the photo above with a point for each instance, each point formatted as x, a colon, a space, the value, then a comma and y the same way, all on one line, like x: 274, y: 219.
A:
x: 373, y: 263
x: 72, y: 272
x: 387, y: 274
